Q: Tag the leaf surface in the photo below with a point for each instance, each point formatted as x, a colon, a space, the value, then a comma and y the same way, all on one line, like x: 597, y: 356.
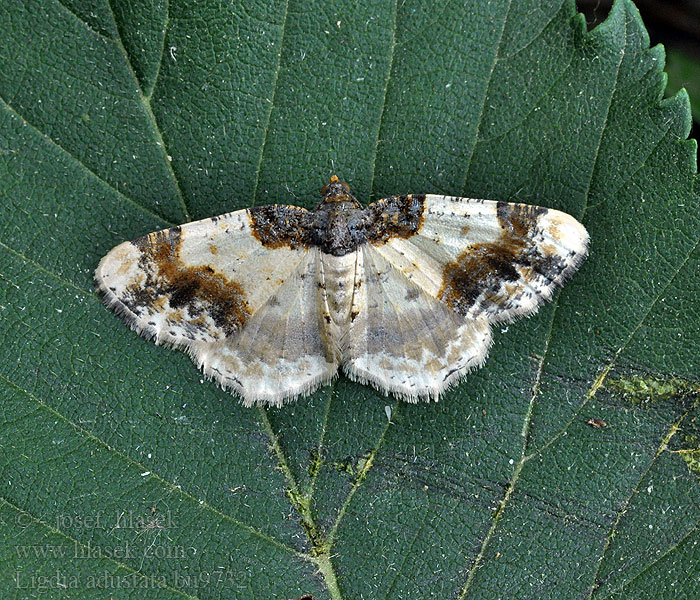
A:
x: 123, y: 470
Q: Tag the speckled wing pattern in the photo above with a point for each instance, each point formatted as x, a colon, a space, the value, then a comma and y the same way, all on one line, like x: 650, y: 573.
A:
x: 403, y: 339
x: 247, y: 314
x: 270, y: 301
x: 429, y: 298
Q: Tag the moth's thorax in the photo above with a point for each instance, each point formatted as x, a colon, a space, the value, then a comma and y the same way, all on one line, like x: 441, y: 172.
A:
x: 339, y: 226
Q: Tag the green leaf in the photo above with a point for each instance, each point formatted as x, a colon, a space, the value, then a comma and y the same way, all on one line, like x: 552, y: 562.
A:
x: 684, y: 72
x: 122, y: 470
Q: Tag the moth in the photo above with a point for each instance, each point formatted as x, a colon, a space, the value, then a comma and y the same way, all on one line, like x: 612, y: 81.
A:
x: 271, y: 301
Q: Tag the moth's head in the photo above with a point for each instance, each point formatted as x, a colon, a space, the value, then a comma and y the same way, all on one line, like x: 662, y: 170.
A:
x: 337, y: 191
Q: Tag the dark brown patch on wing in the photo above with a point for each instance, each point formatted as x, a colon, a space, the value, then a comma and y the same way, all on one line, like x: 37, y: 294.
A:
x: 338, y: 225
x: 199, y: 289
x: 396, y: 216
x: 518, y: 220
x: 482, y: 269
x: 277, y: 226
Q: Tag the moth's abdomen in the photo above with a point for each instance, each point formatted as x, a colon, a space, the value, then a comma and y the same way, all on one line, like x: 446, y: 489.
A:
x: 336, y: 283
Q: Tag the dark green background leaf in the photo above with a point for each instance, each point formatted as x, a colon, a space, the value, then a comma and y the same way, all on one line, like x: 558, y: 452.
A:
x: 125, y: 475
x: 683, y: 68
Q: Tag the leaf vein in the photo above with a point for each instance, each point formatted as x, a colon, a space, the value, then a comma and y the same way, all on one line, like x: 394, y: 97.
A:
x: 487, y: 84
x: 597, y: 384
x: 75, y: 541
x: 671, y: 549
x: 322, y: 553
x: 268, y: 118
x: 585, y: 202
x: 145, y: 103
x: 85, y: 24
x: 536, y: 386
x: 314, y: 475
x: 171, y: 486
x: 625, y: 505
x: 10, y: 109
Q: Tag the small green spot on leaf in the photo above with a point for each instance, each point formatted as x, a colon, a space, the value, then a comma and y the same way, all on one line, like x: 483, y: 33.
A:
x: 344, y: 466
x: 692, y: 459
x: 356, y: 469
x: 315, y: 463
x: 642, y: 391
x: 363, y: 466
